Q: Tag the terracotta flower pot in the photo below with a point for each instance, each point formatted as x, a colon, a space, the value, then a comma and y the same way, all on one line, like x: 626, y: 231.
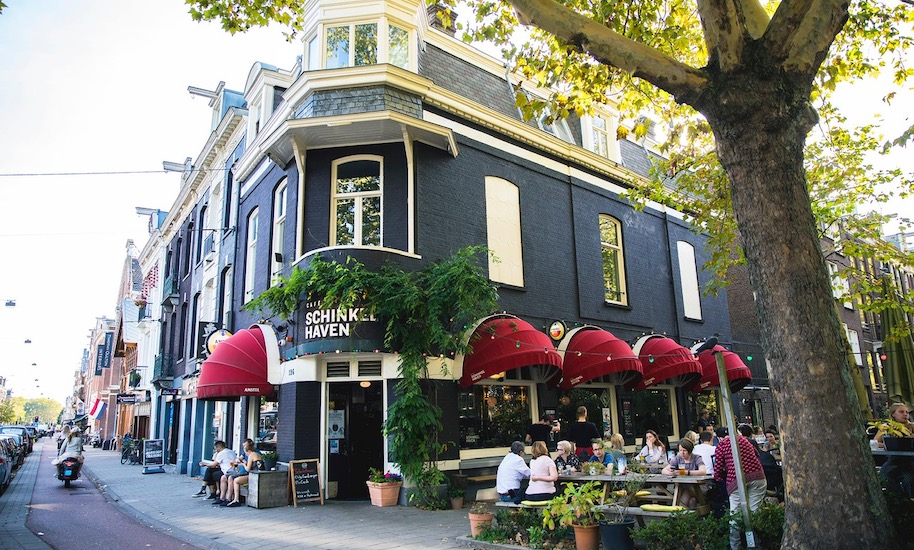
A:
x: 456, y: 503
x: 586, y: 537
x: 384, y: 494
x: 478, y: 522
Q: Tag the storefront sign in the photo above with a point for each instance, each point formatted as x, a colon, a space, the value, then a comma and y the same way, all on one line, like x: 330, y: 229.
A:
x: 126, y: 399
x: 329, y: 329
x: 189, y: 387
x: 210, y: 335
x: 154, y: 452
x: 171, y: 391
x: 557, y: 330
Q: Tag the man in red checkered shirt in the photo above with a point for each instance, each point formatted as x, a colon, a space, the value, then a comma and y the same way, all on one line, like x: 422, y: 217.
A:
x: 754, y: 475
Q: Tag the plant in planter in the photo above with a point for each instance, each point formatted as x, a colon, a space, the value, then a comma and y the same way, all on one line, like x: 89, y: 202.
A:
x: 579, y: 506
x: 383, y: 488
x: 616, y: 525
x: 269, y: 459
x: 481, y: 517
x: 456, y: 492
x: 897, y: 435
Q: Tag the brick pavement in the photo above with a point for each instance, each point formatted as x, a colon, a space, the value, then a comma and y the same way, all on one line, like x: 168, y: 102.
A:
x: 14, y: 506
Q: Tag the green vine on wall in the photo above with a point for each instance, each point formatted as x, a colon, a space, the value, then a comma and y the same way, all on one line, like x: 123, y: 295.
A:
x: 426, y: 313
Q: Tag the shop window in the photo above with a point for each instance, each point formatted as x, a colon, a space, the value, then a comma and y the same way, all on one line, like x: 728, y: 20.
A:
x: 613, y: 261
x: 493, y: 416
x: 645, y: 410
x: 357, y: 197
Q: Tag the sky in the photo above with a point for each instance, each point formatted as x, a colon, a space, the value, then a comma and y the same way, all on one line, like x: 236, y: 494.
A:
x: 94, y: 86
x: 100, y: 86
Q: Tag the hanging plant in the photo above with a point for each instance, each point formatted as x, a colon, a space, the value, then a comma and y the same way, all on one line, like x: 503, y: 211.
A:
x: 426, y: 309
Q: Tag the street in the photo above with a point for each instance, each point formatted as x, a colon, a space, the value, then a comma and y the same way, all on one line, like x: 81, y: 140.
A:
x: 81, y: 516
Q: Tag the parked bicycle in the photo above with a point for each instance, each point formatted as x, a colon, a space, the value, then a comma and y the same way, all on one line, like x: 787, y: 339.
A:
x: 130, y: 452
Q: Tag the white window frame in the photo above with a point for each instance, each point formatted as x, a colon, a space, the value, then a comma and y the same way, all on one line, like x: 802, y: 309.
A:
x: 382, y: 47
x: 280, y: 207
x: 688, y: 280
x: 611, y: 127
x: 839, y: 287
x: 620, y: 264
x: 503, y: 229
x: 250, y: 260
x: 357, y: 237
x: 854, y: 339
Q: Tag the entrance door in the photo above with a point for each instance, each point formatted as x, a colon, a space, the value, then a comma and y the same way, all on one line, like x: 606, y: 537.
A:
x: 361, y: 446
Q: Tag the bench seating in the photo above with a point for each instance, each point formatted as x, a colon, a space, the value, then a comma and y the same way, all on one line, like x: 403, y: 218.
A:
x: 481, y: 479
x: 641, y: 515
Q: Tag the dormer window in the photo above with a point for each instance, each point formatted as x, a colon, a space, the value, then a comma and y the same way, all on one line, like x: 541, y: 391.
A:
x: 357, y: 44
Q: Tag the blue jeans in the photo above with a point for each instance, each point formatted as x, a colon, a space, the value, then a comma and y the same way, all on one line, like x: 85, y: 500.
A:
x: 506, y: 498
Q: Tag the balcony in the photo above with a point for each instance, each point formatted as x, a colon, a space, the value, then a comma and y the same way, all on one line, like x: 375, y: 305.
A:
x: 164, y: 368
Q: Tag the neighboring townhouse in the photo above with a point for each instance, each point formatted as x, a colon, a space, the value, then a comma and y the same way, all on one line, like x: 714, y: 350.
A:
x: 194, y: 271
x: 395, y: 141
x: 101, y: 379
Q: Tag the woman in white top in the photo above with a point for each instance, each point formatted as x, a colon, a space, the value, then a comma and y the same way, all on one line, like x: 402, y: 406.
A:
x: 543, y: 474
x: 653, y: 451
x: 72, y: 445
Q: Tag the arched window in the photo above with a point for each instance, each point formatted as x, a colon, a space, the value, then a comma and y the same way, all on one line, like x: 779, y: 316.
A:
x: 356, y: 201
x: 250, y: 259
x: 613, y: 260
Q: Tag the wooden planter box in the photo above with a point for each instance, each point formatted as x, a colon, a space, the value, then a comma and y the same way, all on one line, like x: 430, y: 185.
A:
x: 268, y: 489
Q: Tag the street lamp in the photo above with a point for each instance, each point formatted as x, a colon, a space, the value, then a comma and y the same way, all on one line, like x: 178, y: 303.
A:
x: 11, y: 303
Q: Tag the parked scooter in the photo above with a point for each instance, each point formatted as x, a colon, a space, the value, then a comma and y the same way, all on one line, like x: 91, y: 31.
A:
x: 68, y: 469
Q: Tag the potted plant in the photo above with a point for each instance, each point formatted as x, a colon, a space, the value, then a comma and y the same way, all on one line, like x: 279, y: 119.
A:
x: 456, y: 493
x: 384, y: 488
x: 616, y: 525
x: 579, y: 506
x: 481, y: 517
x: 895, y: 435
x: 593, y: 468
x: 269, y: 459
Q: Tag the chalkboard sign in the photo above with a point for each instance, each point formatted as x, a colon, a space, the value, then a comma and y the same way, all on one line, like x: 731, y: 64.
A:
x: 304, y: 475
x: 153, y: 456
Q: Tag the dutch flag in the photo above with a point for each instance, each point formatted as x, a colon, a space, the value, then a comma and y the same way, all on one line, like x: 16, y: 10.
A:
x: 98, y: 409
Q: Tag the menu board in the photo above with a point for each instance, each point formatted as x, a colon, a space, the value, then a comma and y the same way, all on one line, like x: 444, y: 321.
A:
x: 304, y: 476
x: 153, y: 452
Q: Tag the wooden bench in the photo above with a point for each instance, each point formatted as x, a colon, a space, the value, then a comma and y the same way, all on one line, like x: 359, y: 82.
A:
x: 640, y: 515
x: 481, y: 479
x: 501, y: 504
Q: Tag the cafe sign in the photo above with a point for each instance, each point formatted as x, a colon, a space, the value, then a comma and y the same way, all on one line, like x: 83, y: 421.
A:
x: 344, y: 329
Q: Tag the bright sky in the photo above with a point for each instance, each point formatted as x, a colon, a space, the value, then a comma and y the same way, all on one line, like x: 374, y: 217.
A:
x: 94, y: 86
x: 97, y: 86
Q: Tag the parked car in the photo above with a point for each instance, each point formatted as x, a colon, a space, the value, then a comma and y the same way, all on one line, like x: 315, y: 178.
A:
x: 267, y: 442
x: 6, y: 468
x: 33, y: 431
x: 22, y: 432
x: 15, y: 449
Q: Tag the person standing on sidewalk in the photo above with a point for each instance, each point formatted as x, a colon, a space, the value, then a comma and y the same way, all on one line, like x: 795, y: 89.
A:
x: 753, y: 474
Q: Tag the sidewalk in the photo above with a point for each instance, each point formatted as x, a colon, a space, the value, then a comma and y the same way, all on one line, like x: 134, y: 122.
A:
x: 14, y: 506
x: 164, y: 501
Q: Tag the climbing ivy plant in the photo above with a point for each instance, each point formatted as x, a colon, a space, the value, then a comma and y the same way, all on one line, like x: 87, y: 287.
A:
x: 426, y: 313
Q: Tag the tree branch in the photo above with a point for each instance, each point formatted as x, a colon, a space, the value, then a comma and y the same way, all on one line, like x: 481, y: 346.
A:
x: 682, y: 81
x: 723, y: 32
x: 755, y: 18
x: 801, y: 32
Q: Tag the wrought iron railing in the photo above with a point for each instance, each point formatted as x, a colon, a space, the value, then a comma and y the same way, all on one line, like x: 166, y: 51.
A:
x: 164, y: 367
x: 169, y: 287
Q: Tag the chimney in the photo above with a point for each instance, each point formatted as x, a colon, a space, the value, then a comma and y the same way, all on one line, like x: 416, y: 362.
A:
x: 434, y: 19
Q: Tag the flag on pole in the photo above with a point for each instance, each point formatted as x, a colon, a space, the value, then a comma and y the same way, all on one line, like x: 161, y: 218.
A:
x: 98, y: 409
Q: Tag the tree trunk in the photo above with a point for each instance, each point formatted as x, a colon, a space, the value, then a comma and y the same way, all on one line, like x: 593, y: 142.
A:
x: 834, y: 500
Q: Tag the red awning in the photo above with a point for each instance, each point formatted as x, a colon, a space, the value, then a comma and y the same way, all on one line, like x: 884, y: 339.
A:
x: 237, y: 367
x: 504, y: 342
x: 738, y: 374
x: 591, y: 352
x: 666, y: 362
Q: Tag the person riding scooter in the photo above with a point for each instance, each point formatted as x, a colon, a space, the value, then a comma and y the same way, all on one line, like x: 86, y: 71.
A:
x: 71, y: 446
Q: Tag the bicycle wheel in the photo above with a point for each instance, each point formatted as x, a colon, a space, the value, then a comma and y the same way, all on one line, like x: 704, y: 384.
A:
x: 125, y: 454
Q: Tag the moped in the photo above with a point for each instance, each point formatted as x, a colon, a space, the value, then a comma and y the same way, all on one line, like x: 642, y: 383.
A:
x: 68, y: 470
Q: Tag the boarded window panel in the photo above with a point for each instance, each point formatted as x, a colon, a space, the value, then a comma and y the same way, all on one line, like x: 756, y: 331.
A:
x: 504, y: 232
x: 688, y: 277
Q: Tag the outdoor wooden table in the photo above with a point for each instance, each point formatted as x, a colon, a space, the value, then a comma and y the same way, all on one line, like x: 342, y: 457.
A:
x: 883, y: 452
x: 657, y: 484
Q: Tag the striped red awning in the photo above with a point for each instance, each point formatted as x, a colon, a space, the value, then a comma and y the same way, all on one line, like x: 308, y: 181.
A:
x: 591, y: 352
x: 738, y: 374
x: 236, y: 368
x: 502, y: 343
x: 666, y: 362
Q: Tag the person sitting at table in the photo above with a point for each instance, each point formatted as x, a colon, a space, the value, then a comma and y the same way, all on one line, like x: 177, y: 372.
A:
x: 511, y: 472
x: 543, y: 475
x: 616, y: 447
x: 772, y: 444
x: 691, y: 436
x: 583, y: 433
x: 898, y: 471
x: 653, y: 451
x: 566, y: 458
x: 690, y: 463
x: 599, y: 453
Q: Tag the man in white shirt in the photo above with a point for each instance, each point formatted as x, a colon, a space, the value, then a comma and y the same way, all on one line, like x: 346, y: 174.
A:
x: 705, y: 450
x: 224, y: 459
x: 511, y: 471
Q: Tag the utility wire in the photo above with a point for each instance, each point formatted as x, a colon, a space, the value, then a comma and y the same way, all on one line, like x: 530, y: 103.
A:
x: 103, y: 173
